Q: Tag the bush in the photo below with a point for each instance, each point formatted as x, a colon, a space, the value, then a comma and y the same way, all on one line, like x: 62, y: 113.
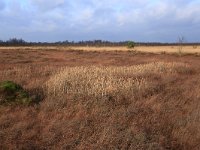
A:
x: 12, y: 93
x: 131, y: 44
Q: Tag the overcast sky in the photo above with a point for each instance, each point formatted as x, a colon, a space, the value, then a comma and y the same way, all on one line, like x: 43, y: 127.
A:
x: 115, y: 20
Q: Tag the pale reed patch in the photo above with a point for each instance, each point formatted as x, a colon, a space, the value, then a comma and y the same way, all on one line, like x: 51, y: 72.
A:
x: 101, y: 81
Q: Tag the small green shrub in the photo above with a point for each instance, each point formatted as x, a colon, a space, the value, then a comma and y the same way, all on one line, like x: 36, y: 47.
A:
x: 131, y: 44
x: 12, y: 93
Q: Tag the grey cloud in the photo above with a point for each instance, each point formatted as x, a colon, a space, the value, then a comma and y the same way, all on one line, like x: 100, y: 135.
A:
x: 145, y: 20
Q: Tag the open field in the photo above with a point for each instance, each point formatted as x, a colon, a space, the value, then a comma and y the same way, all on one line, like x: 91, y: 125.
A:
x: 150, y: 49
x: 192, y: 49
x: 96, y: 98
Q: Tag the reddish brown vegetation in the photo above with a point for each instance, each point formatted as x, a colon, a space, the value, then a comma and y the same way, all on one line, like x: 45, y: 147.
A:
x: 166, y: 116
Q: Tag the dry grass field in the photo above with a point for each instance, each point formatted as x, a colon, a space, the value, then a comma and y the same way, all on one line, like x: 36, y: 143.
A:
x: 96, y: 98
x: 150, y: 49
x: 192, y: 49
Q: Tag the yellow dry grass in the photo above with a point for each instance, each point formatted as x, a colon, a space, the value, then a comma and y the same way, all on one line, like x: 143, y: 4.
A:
x: 152, y: 49
x: 102, y: 81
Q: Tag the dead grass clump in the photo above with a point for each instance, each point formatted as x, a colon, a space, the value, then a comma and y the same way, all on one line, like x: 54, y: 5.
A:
x: 92, y: 81
x: 102, y: 81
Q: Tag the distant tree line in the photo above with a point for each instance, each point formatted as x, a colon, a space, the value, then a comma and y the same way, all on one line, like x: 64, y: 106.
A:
x: 13, y: 42
x: 21, y: 42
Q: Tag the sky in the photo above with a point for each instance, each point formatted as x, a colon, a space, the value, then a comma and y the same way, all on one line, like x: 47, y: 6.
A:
x: 113, y: 20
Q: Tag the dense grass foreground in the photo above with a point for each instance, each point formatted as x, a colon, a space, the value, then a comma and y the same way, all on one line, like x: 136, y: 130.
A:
x: 149, y: 106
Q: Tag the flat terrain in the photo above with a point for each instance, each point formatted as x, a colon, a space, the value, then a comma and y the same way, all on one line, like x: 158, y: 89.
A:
x: 193, y: 49
x: 76, y: 56
x: 102, y: 98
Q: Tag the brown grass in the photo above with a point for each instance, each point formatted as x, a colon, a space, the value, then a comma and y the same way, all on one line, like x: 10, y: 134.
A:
x: 193, y: 49
x: 102, y: 100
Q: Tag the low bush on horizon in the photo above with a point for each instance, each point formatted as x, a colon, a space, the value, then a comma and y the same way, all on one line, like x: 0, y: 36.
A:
x: 130, y: 44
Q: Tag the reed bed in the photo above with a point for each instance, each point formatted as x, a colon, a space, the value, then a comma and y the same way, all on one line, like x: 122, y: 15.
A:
x: 102, y: 81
